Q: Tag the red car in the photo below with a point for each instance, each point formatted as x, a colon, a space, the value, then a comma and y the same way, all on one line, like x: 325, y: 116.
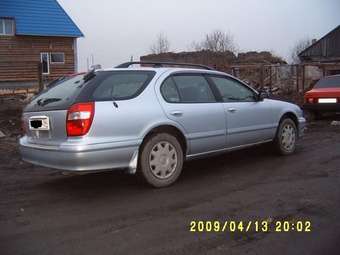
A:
x: 324, y: 96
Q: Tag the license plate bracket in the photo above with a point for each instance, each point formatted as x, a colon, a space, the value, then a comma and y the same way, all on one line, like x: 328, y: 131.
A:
x: 39, y: 123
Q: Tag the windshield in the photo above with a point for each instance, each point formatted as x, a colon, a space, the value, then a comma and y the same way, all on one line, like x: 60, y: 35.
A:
x: 328, y: 82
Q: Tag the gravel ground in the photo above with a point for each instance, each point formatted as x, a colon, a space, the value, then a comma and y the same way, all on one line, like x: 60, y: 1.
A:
x: 44, y: 212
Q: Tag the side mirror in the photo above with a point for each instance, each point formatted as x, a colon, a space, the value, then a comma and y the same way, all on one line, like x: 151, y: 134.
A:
x: 262, y: 95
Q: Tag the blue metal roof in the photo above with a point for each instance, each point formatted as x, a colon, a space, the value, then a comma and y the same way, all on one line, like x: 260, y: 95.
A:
x: 39, y: 17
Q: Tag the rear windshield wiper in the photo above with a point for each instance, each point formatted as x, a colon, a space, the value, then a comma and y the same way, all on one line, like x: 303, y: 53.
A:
x: 89, y: 75
x: 43, y: 102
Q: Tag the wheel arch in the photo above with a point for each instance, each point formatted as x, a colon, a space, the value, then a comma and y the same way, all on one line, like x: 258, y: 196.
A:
x: 291, y: 115
x: 170, y: 129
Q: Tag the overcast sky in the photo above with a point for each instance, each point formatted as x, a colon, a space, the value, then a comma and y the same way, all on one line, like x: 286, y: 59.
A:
x: 115, y: 30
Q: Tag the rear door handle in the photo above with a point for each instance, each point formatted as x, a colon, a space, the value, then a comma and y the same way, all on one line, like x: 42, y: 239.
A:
x: 177, y: 113
x: 231, y: 110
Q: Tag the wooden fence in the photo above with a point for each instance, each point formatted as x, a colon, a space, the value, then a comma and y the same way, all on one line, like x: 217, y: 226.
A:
x: 12, y: 83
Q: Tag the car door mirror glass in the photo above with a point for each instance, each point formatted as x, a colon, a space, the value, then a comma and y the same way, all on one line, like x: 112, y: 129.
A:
x: 263, y: 94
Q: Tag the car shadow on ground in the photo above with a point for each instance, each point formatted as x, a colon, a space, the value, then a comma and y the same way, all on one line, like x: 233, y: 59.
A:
x: 193, y: 171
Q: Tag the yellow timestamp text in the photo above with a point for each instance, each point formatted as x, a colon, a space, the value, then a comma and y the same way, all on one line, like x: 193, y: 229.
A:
x: 250, y: 226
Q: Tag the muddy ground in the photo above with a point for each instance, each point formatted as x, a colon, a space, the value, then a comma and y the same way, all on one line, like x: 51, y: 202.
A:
x: 44, y: 212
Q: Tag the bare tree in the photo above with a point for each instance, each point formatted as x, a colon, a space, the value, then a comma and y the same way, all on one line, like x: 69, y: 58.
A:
x: 161, y: 44
x: 299, y: 46
x: 216, y: 41
x: 195, y: 46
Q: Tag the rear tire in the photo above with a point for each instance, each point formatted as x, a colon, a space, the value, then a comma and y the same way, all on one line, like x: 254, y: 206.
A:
x: 161, y: 160
x: 286, y: 136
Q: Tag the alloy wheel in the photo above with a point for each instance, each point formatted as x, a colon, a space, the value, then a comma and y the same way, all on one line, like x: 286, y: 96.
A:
x: 288, y: 137
x: 163, y: 160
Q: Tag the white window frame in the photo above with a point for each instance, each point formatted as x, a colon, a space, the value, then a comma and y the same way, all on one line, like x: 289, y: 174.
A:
x: 2, y: 23
x: 48, y: 61
x: 57, y: 53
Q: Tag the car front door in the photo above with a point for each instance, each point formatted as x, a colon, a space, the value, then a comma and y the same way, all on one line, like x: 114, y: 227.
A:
x: 248, y: 119
x: 189, y: 100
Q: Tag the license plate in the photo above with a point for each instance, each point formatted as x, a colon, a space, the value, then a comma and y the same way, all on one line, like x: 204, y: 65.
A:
x: 39, y: 123
x: 327, y: 100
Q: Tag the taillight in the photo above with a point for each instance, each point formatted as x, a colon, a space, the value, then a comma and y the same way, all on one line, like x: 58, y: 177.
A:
x: 79, y: 119
x: 311, y: 100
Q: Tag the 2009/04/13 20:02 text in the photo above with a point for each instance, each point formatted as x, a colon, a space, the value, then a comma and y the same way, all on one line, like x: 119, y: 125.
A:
x: 250, y: 226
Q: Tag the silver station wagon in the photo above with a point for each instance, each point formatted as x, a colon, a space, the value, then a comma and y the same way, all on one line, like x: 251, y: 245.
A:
x: 150, y: 119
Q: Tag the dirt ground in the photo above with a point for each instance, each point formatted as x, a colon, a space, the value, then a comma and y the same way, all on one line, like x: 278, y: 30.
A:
x: 44, y: 212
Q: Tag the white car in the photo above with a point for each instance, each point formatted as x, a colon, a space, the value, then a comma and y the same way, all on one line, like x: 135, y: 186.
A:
x: 150, y: 119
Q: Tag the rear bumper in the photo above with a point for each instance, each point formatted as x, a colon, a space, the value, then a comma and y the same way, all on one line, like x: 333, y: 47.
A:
x: 322, y: 107
x: 81, y: 157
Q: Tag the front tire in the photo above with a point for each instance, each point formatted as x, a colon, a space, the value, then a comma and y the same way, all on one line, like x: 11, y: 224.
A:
x: 161, y: 160
x: 286, y: 136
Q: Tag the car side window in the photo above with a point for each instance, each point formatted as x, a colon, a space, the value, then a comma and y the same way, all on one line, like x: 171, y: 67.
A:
x: 232, y: 90
x: 193, y: 89
x: 120, y: 86
x: 169, y: 91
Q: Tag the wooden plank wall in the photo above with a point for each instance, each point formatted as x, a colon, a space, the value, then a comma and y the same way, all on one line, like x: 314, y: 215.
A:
x: 19, y: 56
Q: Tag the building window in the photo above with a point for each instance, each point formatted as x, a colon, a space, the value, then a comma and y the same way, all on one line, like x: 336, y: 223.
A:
x: 44, y: 58
x: 6, y: 26
x: 57, y: 58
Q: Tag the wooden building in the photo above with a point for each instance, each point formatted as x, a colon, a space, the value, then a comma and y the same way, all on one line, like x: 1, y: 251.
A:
x: 33, y: 32
x: 324, y: 52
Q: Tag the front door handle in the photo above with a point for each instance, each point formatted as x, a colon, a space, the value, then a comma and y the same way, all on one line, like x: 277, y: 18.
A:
x: 231, y: 110
x: 177, y: 113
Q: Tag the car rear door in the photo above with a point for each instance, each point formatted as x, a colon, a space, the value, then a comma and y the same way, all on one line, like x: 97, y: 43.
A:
x: 123, y: 106
x: 44, y: 118
x: 189, y: 100
x: 248, y: 119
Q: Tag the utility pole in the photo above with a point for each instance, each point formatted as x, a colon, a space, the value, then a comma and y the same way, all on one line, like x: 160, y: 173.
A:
x: 40, y: 81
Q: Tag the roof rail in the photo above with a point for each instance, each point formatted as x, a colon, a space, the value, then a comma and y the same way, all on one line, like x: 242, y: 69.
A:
x: 161, y: 64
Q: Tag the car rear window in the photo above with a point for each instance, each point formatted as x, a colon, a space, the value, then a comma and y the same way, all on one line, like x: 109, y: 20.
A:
x: 93, y: 86
x: 59, y: 95
x: 328, y: 82
x: 121, y: 85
